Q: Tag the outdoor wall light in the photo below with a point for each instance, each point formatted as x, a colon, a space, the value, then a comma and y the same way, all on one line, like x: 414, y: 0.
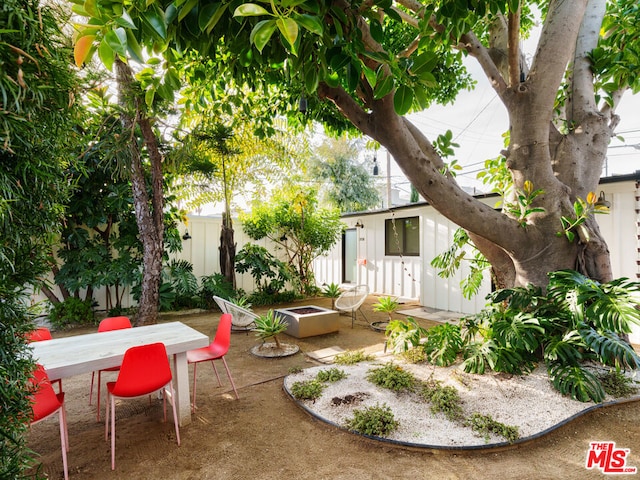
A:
x: 602, y: 201
x: 186, y: 235
x: 359, y: 224
x: 375, y: 166
x: 302, y: 105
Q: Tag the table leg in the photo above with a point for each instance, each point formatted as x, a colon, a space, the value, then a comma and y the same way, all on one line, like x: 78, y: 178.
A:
x: 181, y: 377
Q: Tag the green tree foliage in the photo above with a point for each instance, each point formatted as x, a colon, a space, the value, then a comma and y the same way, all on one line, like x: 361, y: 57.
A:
x: 296, y: 224
x: 350, y: 187
x: 37, y: 100
x: 375, y: 62
x: 573, y: 327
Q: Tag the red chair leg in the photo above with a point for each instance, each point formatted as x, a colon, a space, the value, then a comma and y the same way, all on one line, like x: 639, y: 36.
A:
x: 230, y: 378
x: 216, y: 370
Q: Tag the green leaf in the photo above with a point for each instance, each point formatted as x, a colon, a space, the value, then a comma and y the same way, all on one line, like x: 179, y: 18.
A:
x: 106, y: 54
x: 210, y: 16
x: 577, y: 382
x: 155, y: 19
x: 384, y: 85
x: 311, y: 78
x: 376, y: 30
x: 311, y: 23
x: 250, y: 10
x: 187, y: 7
x: 338, y: 60
x: 289, y: 30
x: 133, y: 47
x: 126, y: 21
x: 149, y: 95
x: 403, y: 99
x: 117, y: 40
x: 262, y: 32
x: 370, y: 75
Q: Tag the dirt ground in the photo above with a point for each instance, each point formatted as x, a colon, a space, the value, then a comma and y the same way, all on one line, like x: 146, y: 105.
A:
x: 265, y: 435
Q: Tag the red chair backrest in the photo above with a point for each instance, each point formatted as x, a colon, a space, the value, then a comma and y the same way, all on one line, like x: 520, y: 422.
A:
x: 44, y: 398
x: 223, y: 333
x: 39, y: 334
x: 114, y: 323
x: 144, y: 369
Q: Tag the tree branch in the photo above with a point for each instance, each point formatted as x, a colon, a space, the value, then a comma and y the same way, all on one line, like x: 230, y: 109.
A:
x: 582, y: 98
x: 514, y: 47
x: 549, y: 63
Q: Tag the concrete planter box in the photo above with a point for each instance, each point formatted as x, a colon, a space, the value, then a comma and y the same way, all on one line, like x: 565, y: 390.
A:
x: 309, y: 320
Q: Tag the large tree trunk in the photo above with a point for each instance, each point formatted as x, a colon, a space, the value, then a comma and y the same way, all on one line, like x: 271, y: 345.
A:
x: 227, y: 249
x: 565, y: 166
x: 149, y: 212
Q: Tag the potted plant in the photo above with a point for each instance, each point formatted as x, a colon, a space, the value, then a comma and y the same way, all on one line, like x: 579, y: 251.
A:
x: 387, y: 305
x: 269, y: 326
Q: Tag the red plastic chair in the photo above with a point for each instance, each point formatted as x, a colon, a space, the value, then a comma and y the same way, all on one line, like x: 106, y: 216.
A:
x: 106, y: 325
x: 145, y: 369
x: 42, y: 334
x: 39, y: 334
x: 216, y: 350
x: 46, y: 402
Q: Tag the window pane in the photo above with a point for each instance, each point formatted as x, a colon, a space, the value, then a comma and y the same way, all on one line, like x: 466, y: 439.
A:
x: 412, y: 236
x: 393, y: 238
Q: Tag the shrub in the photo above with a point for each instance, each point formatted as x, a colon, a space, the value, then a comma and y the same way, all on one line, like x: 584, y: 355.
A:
x: 393, y: 377
x: 443, y: 399
x: 577, y: 321
x: 331, y: 375
x: 377, y: 421
x: 214, y: 285
x: 352, y: 357
x: 307, y: 390
x: 617, y: 384
x: 72, y: 311
x: 485, y: 425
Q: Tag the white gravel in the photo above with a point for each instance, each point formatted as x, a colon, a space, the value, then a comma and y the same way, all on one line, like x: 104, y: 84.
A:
x: 528, y: 402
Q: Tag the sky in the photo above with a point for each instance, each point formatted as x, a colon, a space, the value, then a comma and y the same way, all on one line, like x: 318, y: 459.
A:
x: 478, y: 119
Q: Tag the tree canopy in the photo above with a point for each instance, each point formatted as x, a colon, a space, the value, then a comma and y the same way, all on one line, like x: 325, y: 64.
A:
x: 374, y: 62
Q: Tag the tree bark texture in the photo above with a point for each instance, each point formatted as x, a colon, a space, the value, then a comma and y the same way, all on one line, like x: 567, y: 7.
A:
x: 148, y: 211
x: 565, y: 166
x: 227, y: 250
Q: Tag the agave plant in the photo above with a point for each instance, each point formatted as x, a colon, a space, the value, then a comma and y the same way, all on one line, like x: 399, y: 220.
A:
x: 270, y: 325
x: 332, y: 291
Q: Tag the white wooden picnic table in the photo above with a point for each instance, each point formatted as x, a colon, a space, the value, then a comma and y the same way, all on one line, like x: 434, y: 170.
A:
x: 69, y: 356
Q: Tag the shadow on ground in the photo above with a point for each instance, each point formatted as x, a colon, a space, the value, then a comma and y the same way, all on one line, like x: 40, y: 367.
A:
x: 264, y: 435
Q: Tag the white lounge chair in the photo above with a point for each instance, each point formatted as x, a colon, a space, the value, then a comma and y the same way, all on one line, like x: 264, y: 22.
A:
x: 351, y: 300
x: 242, y: 319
